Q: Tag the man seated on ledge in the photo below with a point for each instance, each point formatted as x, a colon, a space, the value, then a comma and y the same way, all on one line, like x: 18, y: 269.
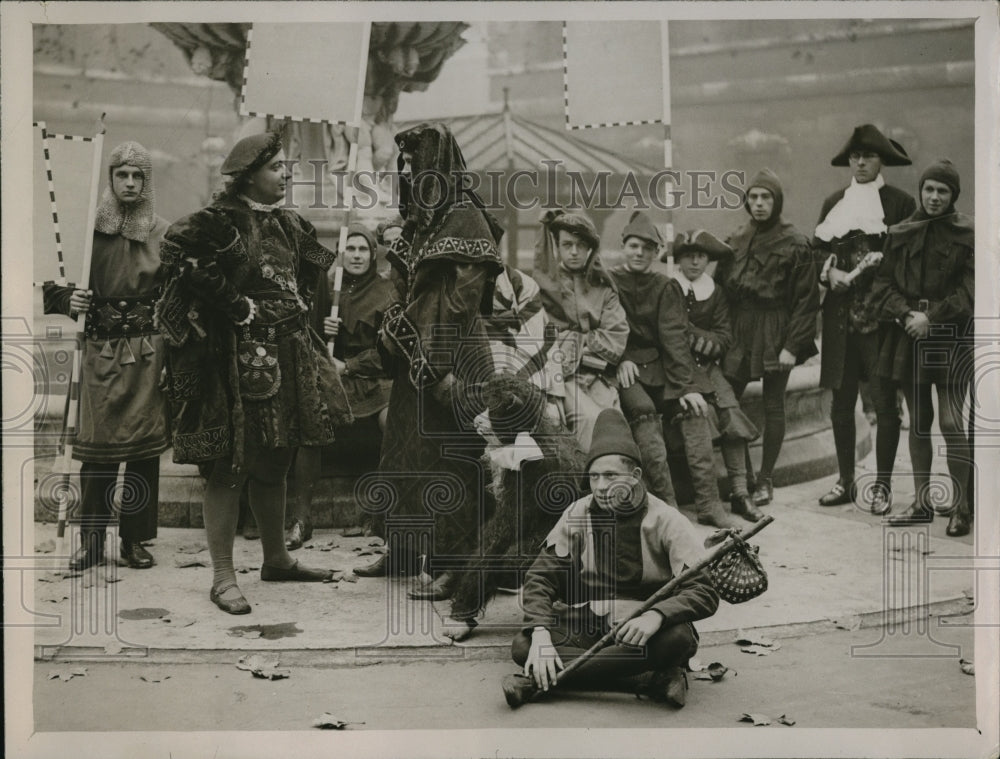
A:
x: 609, y: 552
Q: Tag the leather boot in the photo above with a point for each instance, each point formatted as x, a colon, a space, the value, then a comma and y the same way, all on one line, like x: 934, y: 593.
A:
x: 647, y: 431
x: 917, y: 513
x: 91, y: 551
x: 960, y: 523
x: 743, y: 506
x: 136, y: 556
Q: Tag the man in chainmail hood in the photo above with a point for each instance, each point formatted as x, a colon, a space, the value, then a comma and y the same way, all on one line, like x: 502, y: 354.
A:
x: 122, y: 410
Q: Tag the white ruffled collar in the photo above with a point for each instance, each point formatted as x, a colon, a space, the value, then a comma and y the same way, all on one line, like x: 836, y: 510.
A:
x: 703, y: 287
x: 860, y: 208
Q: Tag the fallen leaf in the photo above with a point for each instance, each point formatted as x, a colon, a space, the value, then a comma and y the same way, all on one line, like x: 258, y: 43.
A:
x: 714, y: 672
x: 179, y: 621
x: 192, y: 548
x: 113, y: 648
x: 967, y: 666
x: 785, y: 721
x: 744, y: 638
x: 46, y: 546
x: 182, y: 563
x: 256, y: 661
x: 327, y: 721
x: 154, y: 678
x: 43, y: 578
x: 349, y: 578
x: 757, y: 650
x: 252, y: 634
x: 374, y: 543
x: 271, y: 674
x: 352, y: 532
x: 262, y: 666
x: 337, y: 576
x: 757, y: 719
x: 852, y: 623
x: 66, y: 676
x: 113, y: 578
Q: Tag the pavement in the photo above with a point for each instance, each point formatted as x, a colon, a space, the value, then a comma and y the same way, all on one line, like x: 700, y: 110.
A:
x: 829, y: 568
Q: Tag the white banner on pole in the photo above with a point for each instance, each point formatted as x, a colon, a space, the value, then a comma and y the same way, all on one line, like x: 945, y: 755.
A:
x: 60, y: 222
x: 47, y: 261
x: 306, y: 72
x: 617, y: 73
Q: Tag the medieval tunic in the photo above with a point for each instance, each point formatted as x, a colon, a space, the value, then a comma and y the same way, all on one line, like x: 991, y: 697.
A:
x: 363, y: 301
x: 266, y: 385
x: 439, y: 354
x: 708, y: 318
x: 929, y: 265
x: 123, y: 413
x: 773, y: 296
x: 611, y: 563
x: 592, y: 333
x: 853, y: 311
x: 657, y: 337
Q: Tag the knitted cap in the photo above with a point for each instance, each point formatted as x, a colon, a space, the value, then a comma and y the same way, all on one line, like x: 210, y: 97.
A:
x: 942, y: 171
x: 363, y: 231
x: 768, y: 180
x: 612, y: 436
x: 640, y: 226
x: 700, y: 240
x: 250, y: 153
x: 577, y: 224
x: 868, y: 137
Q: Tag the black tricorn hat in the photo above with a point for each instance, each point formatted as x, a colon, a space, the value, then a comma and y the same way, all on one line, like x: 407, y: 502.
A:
x: 700, y: 240
x: 868, y: 137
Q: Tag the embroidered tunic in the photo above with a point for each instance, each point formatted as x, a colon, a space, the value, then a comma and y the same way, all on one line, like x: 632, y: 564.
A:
x: 269, y: 384
x: 123, y: 413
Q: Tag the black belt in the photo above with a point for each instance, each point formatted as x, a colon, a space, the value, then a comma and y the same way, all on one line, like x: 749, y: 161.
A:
x: 111, y: 318
x: 920, y: 304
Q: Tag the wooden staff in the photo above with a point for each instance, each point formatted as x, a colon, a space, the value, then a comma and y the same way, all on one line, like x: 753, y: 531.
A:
x: 338, y: 274
x: 519, y: 689
x: 65, y: 462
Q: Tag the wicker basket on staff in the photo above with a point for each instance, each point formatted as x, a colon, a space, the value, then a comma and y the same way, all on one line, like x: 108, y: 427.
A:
x: 735, y: 570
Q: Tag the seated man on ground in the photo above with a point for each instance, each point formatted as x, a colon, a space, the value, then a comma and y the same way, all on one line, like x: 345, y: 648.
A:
x: 610, y: 551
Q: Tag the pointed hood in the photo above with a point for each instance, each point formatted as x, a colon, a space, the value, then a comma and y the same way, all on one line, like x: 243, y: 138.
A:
x: 769, y: 181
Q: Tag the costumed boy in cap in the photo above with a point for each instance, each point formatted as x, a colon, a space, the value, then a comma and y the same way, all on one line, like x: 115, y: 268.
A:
x: 248, y: 380
x: 123, y: 413
x: 850, y: 234
x: 445, y: 265
x: 710, y: 335
x: 773, y: 295
x: 926, y: 286
x: 364, y: 298
x: 609, y: 552
x: 581, y: 303
x: 656, y: 376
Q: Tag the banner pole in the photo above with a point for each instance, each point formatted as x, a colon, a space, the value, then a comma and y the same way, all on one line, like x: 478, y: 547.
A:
x: 72, y: 405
